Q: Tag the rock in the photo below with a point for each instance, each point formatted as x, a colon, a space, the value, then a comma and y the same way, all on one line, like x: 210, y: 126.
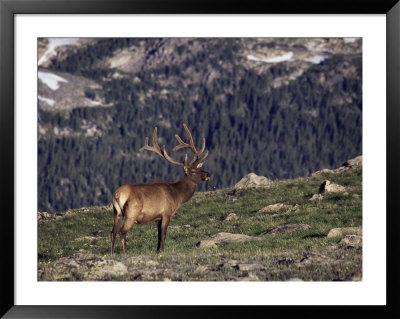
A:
x: 322, y: 171
x: 351, y: 241
x: 151, y: 263
x: 349, y: 164
x: 253, y: 180
x: 219, y: 238
x: 250, y: 267
x: 250, y: 277
x: 329, y: 187
x: 201, y: 268
x: 41, y: 216
x: 316, y: 197
x: 340, y: 232
x: 86, y: 267
x: 294, y: 279
x: 357, y: 161
x: 316, y: 259
x: 357, y: 276
x: 278, y: 207
x: 229, y: 263
x: 286, y: 228
x: 231, y: 216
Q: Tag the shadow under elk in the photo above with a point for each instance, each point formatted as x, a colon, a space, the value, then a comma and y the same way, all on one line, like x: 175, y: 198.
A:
x: 141, y: 203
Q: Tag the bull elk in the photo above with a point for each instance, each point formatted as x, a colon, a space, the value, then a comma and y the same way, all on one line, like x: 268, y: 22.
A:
x: 141, y: 203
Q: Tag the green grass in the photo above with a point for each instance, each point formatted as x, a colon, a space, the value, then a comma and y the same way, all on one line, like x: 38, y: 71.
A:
x: 280, y: 255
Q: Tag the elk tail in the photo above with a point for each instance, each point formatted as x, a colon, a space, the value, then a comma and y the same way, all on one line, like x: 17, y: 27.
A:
x: 117, y: 206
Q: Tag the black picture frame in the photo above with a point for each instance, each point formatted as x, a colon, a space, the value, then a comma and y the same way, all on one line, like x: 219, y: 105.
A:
x: 9, y: 8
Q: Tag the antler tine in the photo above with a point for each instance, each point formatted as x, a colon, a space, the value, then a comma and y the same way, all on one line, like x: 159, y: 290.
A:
x: 203, y: 146
x: 190, y: 145
x: 196, y: 159
x: 172, y: 160
x: 190, y: 139
x: 181, y: 145
x: 155, y: 148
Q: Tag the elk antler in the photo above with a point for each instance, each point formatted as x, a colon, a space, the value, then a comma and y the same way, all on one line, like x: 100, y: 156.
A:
x: 163, y: 153
x: 191, y: 145
x: 156, y: 148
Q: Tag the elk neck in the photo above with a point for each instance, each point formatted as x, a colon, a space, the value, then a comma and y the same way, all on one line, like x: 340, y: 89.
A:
x: 185, y: 188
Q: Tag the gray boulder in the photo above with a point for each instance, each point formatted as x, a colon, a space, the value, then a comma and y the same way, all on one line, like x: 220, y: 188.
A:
x: 329, y: 187
x: 253, y: 180
x: 340, y: 232
x: 351, y: 241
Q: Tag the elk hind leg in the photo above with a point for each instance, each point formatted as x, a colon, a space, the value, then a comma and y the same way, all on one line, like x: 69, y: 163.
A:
x: 125, y: 228
x: 117, y: 223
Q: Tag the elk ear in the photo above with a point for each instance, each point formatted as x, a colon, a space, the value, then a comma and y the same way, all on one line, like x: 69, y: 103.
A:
x: 186, y: 169
x: 200, y: 165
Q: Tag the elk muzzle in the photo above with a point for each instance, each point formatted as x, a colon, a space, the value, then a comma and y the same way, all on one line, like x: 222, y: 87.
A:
x: 205, y: 176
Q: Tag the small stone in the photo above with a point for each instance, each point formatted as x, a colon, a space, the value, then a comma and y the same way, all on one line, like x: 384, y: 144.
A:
x: 250, y: 277
x: 231, y: 216
x: 351, y: 241
x: 250, y: 267
x: 340, y: 232
x: 219, y: 238
x: 278, y: 207
x: 201, y: 268
x: 295, y: 279
x: 151, y: 263
x: 316, y: 197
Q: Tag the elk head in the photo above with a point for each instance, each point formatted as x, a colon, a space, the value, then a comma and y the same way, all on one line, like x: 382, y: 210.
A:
x: 193, y: 168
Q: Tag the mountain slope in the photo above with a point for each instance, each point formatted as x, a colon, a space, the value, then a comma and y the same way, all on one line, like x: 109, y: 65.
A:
x: 281, y: 108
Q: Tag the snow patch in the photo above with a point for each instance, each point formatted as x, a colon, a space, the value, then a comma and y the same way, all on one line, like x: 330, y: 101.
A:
x: 316, y: 59
x: 276, y: 59
x: 46, y: 100
x: 53, y: 44
x: 93, y: 102
x: 349, y: 40
x: 51, y: 80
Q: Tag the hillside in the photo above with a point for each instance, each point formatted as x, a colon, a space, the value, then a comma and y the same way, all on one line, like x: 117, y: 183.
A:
x: 303, y: 229
x: 281, y: 108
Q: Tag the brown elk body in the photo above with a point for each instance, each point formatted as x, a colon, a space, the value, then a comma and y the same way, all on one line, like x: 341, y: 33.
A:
x: 141, y: 203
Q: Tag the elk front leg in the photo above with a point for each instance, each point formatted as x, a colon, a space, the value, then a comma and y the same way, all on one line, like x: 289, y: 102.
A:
x: 162, y: 232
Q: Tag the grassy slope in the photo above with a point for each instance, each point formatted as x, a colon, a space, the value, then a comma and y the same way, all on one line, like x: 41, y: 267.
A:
x: 281, y: 256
